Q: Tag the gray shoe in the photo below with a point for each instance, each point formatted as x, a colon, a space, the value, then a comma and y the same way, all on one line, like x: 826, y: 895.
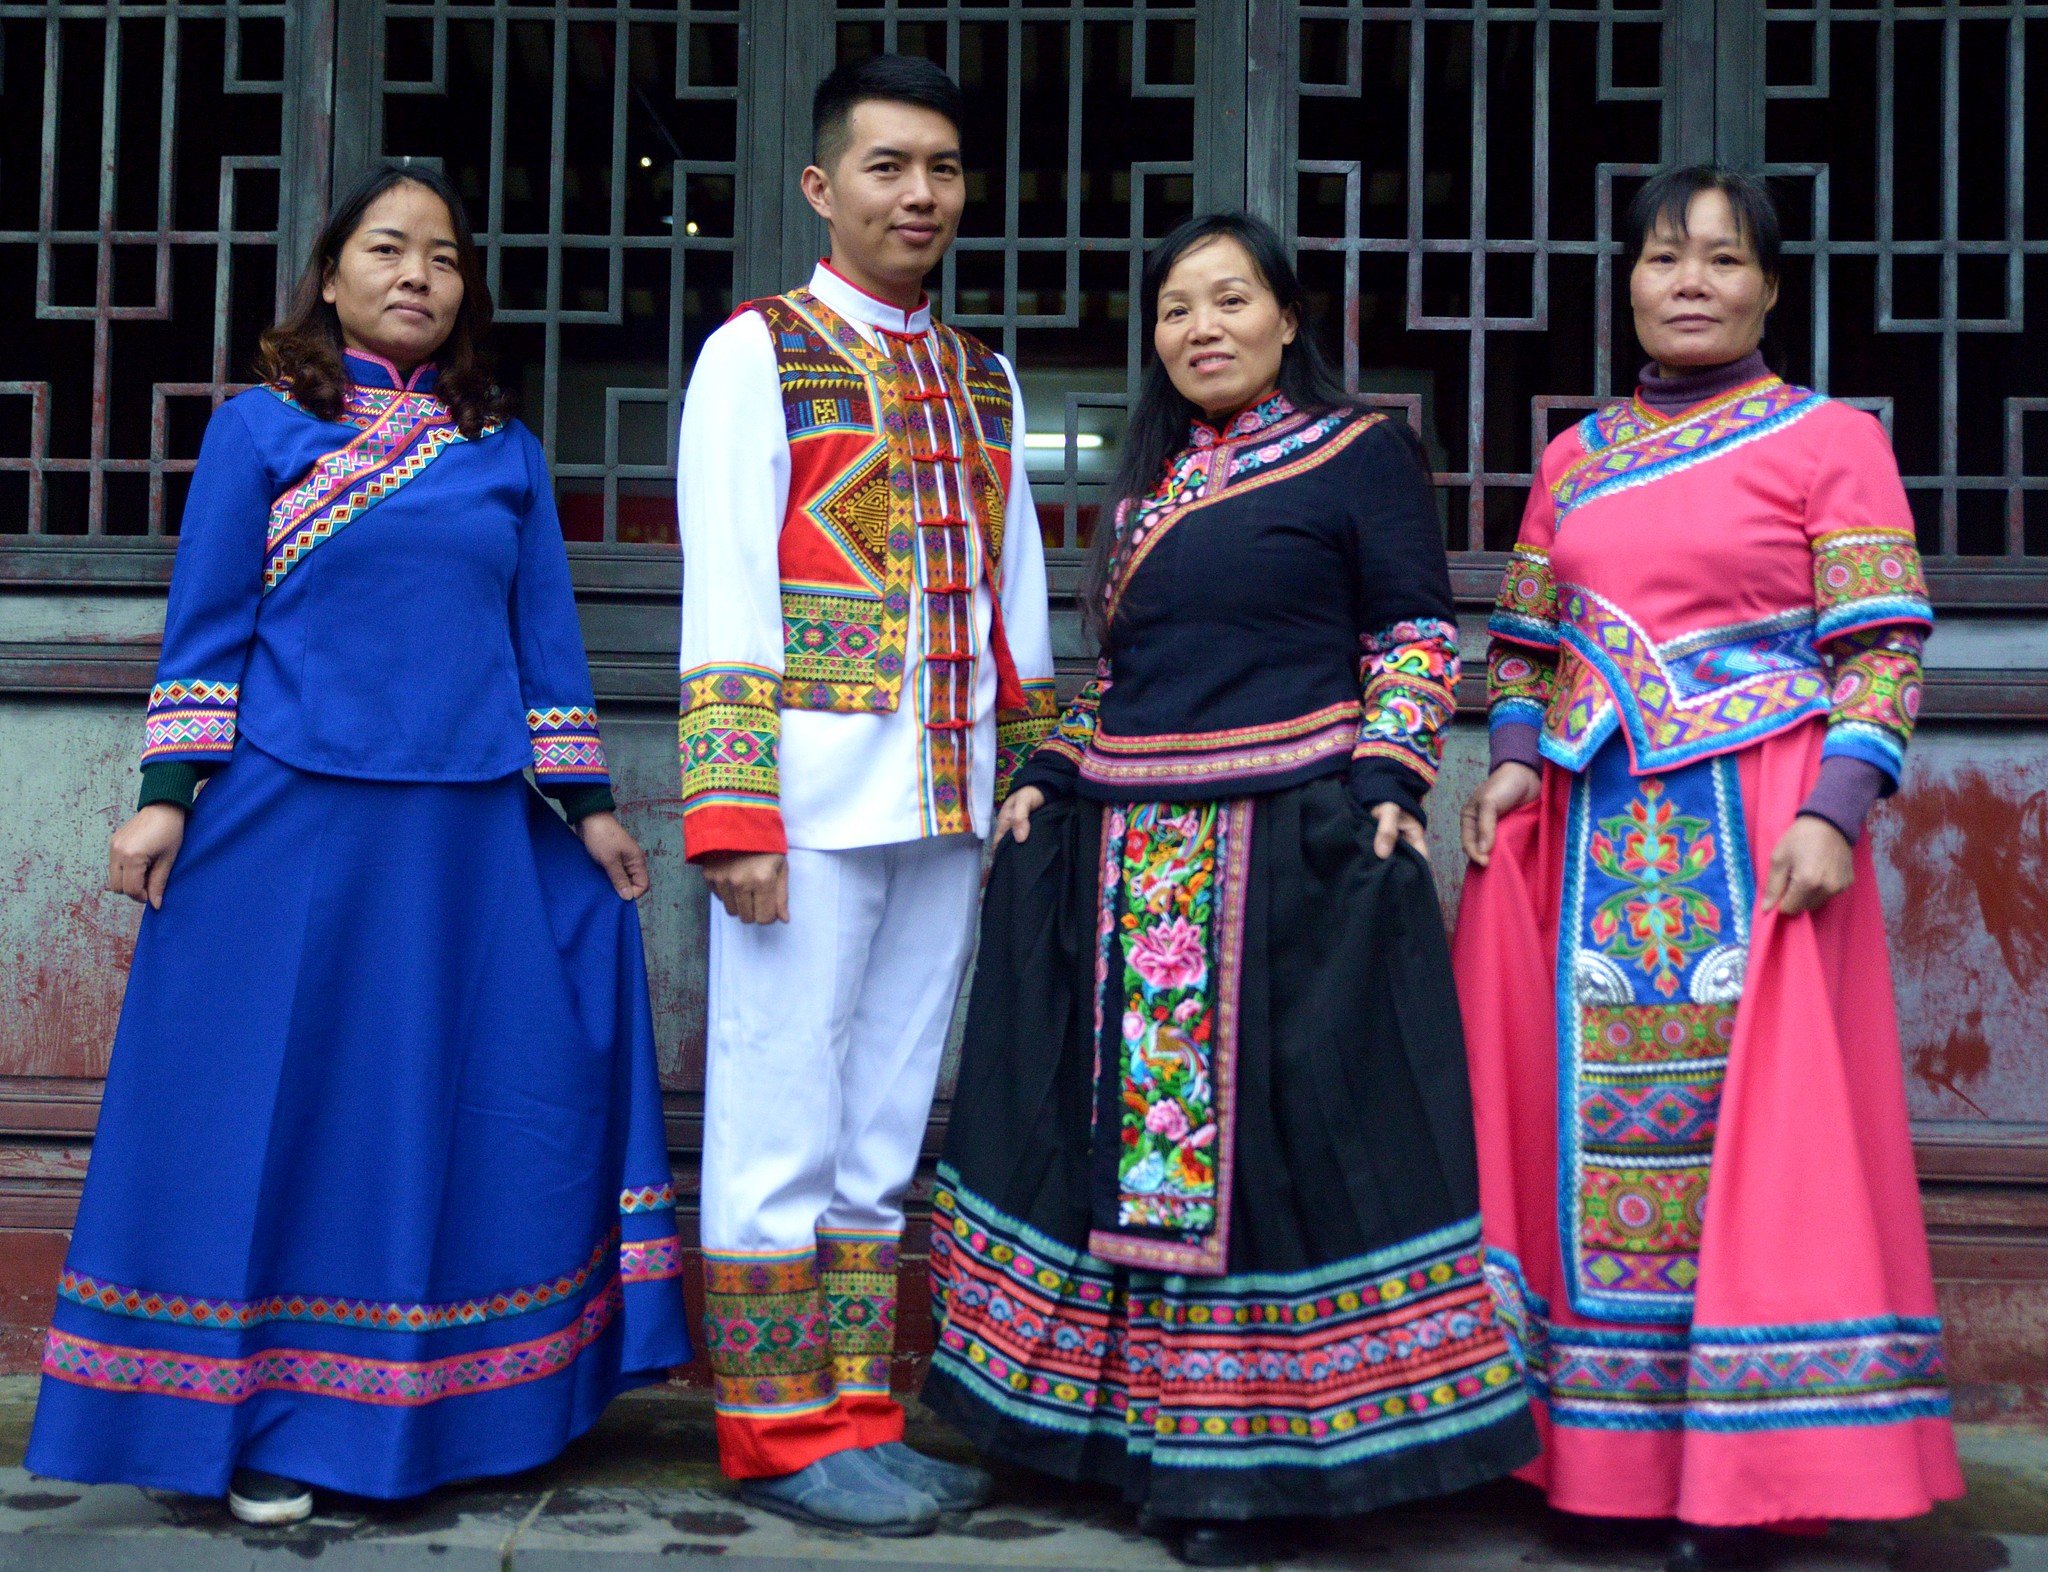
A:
x: 955, y: 1486
x: 849, y: 1491
x: 268, y: 1500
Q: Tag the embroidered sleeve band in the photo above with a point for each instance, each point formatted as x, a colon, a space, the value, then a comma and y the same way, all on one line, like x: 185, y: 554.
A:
x: 1866, y: 578
x: 190, y: 719
x: 1075, y: 728
x: 1525, y: 611
x: 1519, y: 682
x: 566, y: 745
x: 1876, y: 697
x: 727, y: 736
x: 1020, y: 731
x: 1408, y: 674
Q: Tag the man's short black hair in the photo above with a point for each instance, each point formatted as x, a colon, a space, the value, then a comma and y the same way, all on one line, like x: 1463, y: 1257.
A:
x: 1667, y: 196
x: 897, y: 79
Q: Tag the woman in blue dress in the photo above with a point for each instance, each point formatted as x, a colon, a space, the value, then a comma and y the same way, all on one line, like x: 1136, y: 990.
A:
x: 380, y: 1195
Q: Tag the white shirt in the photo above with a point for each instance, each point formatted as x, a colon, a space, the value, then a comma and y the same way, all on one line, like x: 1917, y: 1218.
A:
x: 846, y: 779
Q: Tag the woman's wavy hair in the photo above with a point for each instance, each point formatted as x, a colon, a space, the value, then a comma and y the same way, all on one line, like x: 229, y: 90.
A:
x: 304, y: 348
x: 1158, y: 425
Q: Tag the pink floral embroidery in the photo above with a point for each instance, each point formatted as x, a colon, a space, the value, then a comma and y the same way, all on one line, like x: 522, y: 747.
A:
x: 1170, y: 955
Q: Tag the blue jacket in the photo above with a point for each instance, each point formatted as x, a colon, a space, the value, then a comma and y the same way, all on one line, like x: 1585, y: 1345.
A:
x: 374, y: 597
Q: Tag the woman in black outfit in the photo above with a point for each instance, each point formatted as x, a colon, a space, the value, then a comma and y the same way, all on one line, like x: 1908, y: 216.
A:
x: 1207, y: 1226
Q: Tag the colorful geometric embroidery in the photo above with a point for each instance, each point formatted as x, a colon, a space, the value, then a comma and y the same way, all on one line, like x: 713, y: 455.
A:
x: 1653, y: 943
x: 401, y: 434
x: 367, y: 1315
x: 770, y: 1335
x: 1864, y: 578
x: 1628, y: 446
x: 190, y: 718
x: 1706, y: 693
x: 1172, y: 760
x: 1525, y: 610
x: 409, y: 1384
x: 833, y: 638
x: 1877, y: 1371
x: 727, y: 734
x: 1169, y: 944
x: 651, y: 1260
x: 1019, y: 732
x: 566, y: 743
x: 857, y: 1274
x: 648, y: 1198
x: 1362, y: 1358
x: 1876, y: 696
x: 1409, y: 677
x: 1519, y: 684
x: 1075, y: 731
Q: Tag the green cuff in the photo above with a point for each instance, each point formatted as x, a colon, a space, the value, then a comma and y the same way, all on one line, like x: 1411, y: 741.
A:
x: 580, y: 802
x: 169, y: 782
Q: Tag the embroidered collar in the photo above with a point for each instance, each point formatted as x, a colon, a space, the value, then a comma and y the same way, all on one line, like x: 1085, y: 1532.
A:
x: 1648, y: 415
x: 374, y: 371
x: 858, y: 306
x: 1245, y: 423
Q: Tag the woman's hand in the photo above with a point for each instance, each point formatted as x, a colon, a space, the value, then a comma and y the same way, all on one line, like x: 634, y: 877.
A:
x: 1510, y: 787
x: 752, y: 886
x: 1396, y: 824
x: 140, y: 855
x: 613, y: 849
x: 1811, y: 864
x: 1015, y: 818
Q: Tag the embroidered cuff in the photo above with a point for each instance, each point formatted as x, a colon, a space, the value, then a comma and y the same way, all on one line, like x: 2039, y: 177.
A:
x: 1866, y: 578
x: 1525, y: 610
x: 1876, y: 697
x: 1075, y: 729
x: 1019, y: 732
x: 1519, y: 682
x: 566, y: 746
x: 727, y: 736
x: 190, y: 719
x: 1409, y: 674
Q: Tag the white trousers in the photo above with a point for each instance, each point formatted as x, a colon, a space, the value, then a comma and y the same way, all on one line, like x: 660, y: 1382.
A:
x: 824, y: 1040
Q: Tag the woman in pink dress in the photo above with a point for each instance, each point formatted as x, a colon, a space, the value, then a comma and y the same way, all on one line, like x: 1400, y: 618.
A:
x: 1695, y: 1170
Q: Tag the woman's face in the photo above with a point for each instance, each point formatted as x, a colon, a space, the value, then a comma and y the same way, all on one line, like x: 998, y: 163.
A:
x: 1220, y: 329
x: 1700, y: 298
x: 397, y: 284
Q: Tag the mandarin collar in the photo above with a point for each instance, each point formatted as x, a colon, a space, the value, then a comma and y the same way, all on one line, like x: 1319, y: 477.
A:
x: 374, y: 371
x: 857, y: 305
x: 1247, y: 422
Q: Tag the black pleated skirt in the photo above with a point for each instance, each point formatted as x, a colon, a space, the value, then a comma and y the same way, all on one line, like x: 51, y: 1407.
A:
x: 1303, y: 1325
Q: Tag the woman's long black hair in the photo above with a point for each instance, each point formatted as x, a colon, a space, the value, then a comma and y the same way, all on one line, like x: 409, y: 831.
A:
x: 1158, y: 425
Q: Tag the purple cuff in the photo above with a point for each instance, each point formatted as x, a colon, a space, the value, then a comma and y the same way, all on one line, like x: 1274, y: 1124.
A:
x: 1844, y: 793
x: 1514, y: 742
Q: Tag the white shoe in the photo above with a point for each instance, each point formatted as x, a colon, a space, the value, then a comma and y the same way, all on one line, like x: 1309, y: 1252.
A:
x: 268, y: 1500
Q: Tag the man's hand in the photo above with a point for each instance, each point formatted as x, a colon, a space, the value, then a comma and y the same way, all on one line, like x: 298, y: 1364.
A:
x: 612, y: 848
x: 1015, y: 818
x: 752, y: 886
x: 140, y: 855
x: 1396, y: 823
x: 1811, y: 864
x: 1507, y: 788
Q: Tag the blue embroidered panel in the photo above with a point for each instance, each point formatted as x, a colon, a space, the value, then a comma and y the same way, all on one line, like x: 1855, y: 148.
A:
x: 1653, y: 939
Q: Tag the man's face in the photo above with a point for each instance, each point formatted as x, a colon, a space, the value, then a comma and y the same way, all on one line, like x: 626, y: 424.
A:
x: 893, y: 197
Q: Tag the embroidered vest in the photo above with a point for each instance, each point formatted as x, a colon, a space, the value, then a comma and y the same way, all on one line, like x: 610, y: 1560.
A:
x: 859, y: 489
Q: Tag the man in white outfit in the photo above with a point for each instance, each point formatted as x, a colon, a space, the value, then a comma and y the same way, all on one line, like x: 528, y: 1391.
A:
x: 865, y: 662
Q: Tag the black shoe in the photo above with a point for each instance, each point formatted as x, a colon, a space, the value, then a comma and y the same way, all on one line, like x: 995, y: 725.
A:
x: 1717, y: 1549
x: 268, y: 1500
x: 1208, y: 1543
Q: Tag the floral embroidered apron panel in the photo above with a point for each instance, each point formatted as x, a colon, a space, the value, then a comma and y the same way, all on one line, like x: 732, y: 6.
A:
x: 1169, y: 944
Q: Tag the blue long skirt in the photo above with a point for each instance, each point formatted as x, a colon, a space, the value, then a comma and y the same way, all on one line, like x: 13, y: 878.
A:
x: 380, y: 1195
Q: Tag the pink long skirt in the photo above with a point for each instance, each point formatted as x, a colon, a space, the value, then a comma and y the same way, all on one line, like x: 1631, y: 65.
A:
x: 1783, y: 1359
